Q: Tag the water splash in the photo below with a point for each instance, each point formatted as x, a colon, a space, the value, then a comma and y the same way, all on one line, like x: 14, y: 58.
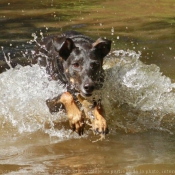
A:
x: 23, y: 93
x: 135, y: 96
x: 7, y: 58
x: 145, y: 93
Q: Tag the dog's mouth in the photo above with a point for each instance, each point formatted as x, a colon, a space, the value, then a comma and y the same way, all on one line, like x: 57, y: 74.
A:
x: 86, y: 94
x: 83, y: 93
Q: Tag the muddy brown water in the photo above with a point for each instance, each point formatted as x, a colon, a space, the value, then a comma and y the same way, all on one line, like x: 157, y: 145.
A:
x: 141, y: 139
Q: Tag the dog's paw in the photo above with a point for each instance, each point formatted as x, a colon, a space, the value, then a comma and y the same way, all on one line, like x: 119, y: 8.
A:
x: 77, y: 124
x: 99, y: 124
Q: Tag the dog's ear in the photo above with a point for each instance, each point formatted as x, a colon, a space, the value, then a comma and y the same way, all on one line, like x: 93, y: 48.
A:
x: 102, y: 46
x: 64, y: 46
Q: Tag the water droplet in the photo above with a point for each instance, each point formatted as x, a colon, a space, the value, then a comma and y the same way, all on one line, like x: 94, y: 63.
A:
x: 112, y: 31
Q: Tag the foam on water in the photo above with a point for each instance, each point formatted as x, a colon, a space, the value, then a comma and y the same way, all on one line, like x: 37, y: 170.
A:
x: 142, y: 89
x: 134, y: 95
x: 23, y: 92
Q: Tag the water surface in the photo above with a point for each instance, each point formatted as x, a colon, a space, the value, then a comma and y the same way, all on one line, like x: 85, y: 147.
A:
x: 138, y: 93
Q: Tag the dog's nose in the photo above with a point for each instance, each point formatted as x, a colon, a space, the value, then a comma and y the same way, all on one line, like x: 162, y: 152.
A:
x: 89, y: 87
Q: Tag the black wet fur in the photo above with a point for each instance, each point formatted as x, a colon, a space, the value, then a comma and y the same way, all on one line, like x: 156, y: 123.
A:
x: 74, y: 59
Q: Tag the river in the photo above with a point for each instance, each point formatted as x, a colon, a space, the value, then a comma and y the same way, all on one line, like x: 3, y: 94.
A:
x: 138, y: 93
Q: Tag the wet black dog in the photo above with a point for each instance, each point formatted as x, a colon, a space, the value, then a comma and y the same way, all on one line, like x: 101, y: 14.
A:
x: 76, y: 60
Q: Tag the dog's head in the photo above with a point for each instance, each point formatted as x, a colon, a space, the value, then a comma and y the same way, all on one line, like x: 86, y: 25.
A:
x: 82, y: 63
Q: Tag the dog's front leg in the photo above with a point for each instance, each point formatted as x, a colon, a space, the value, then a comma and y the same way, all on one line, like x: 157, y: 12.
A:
x: 94, y: 112
x: 99, y: 122
x: 75, y: 116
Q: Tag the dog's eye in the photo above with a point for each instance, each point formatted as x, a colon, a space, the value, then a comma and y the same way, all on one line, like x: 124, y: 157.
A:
x: 76, y: 65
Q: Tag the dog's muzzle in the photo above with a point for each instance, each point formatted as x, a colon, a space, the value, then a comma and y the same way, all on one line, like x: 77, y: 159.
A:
x: 87, y: 89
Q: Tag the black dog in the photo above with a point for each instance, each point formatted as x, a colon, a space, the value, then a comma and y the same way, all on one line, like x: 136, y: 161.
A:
x: 76, y: 60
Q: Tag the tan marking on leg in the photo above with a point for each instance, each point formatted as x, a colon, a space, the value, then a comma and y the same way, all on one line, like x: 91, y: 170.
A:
x: 98, y: 123
x: 75, y: 116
